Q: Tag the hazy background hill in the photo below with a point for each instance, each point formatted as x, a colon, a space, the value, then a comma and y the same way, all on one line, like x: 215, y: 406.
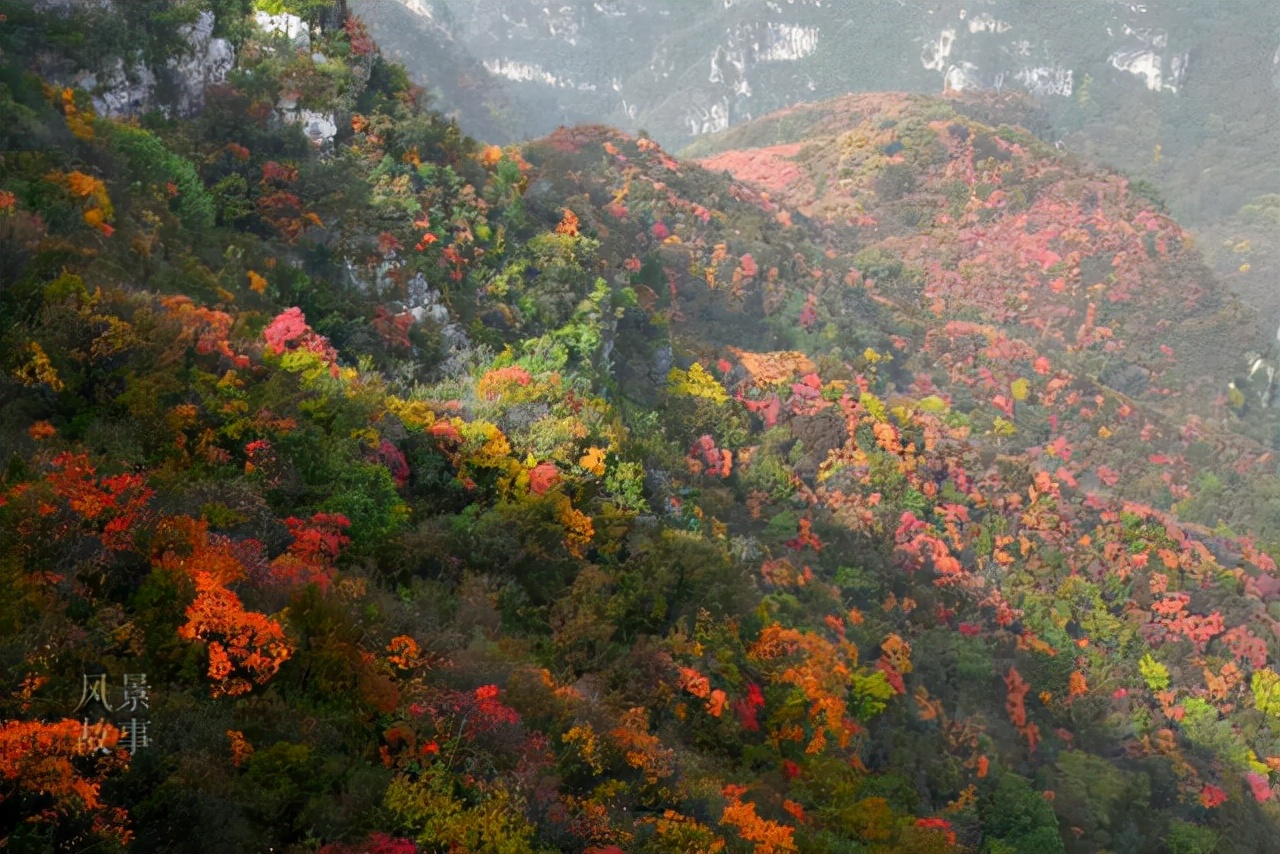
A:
x: 1184, y: 94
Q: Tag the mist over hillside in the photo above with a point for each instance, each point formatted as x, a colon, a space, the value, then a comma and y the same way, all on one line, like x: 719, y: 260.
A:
x: 1181, y: 93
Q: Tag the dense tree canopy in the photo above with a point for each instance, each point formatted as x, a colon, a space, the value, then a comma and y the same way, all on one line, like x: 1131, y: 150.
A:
x: 571, y: 497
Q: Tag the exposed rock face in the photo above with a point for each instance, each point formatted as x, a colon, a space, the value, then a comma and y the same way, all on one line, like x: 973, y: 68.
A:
x: 291, y: 26
x: 121, y: 91
x: 206, y: 64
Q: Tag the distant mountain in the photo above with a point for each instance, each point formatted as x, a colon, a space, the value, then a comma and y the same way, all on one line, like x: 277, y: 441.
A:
x: 681, y: 70
x: 1181, y: 93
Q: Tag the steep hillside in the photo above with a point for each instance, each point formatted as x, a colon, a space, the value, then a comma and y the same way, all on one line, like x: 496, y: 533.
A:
x: 369, y: 489
x: 1179, y: 93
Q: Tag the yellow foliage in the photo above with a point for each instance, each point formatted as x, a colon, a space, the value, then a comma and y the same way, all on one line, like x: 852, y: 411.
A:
x: 415, y: 414
x: 696, y: 382
x: 1000, y: 427
x: 873, y: 405
x: 487, y: 446
x: 1019, y: 388
x: 682, y: 833
x: 578, y: 529
x: 78, y: 122
x: 256, y: 282
x: 932, y: 404
x: 898, y: 653
x: 873, y: 357
x: 367, y: 435
x: 38, y: 369
x: 588, y: 746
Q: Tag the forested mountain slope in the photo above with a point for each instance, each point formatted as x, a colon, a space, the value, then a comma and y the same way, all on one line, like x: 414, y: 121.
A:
x: 573, y: 497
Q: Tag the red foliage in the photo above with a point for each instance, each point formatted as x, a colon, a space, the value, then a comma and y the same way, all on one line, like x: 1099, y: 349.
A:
x: 892, y: 675
x: 772, y: 168
x: 747, y: 707
x: 705, y: 457
x: 1246, y: 647
x: 394, y: 459
x: 362, y: 43
x: 377, y: 843
x: 1259, y: 786
x: 278, y: 173
x: 117, y: 501
x: 940, y: 824
x: 806, y: 537
x: 320, y: 539
x: 287, y: 327
x: 1211, y: 796
x: 289, y: 332
x: 809, y: 314
x: 769, y: 409
x: 488, y: 712
x: 542, y: 477
x: 394, y: 328
x: 315, y: 549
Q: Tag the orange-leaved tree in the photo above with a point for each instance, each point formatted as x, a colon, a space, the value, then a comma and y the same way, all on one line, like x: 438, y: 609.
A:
x: 245, y: 648
x: 53, y: 772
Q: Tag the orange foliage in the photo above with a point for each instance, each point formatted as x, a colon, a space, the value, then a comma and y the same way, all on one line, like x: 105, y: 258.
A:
x: 578, y: 529
x: 821, y: 670
x: 897, y: 653
x: 767, y: 369
x: 403, y: 652
x: 494, y: 384
x: 569, y: 224
x: 39, y: 760
x: 695, y: 683
x: 769, y: 837
x: 241, y: 749
x: 641, y: 749
x: 245, y: 648
x: 1014, y: 700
